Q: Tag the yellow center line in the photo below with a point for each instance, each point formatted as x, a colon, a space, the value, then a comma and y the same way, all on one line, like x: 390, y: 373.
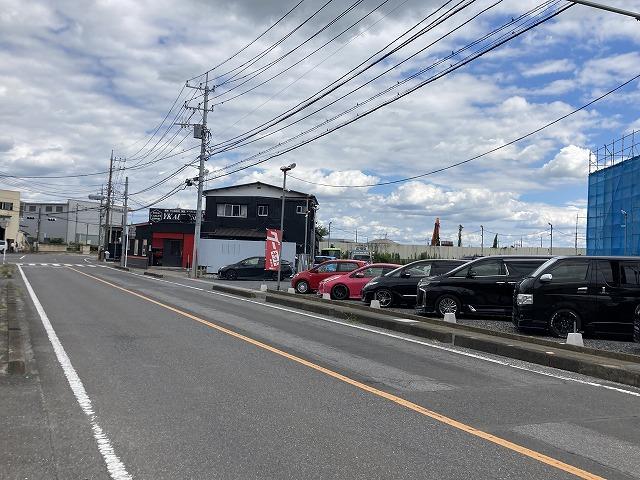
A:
x: 578, y: 472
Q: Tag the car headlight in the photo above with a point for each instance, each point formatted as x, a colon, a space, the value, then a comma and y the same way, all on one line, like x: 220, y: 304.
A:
x: 372, y: 282
x: 524, y: 299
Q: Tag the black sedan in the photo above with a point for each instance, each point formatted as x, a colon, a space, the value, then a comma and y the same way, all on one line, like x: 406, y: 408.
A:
x: 253, y: 268
x: 399, y: 286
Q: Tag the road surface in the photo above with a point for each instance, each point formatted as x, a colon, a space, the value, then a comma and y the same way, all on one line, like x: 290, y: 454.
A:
x: 163, y: 379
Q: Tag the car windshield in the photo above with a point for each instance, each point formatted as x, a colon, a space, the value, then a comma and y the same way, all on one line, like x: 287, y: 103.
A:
x: 543, y: 267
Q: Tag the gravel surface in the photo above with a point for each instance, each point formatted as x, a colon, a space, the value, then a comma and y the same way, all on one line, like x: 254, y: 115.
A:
x: 612, y: 344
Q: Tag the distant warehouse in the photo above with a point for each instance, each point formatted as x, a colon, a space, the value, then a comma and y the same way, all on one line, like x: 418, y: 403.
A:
x: 613, y: 215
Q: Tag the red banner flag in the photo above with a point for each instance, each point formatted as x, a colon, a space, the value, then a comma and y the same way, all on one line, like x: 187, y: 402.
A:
x: 272, y: 249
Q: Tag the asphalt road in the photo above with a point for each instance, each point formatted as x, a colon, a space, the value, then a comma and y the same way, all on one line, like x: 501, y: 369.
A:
x: 188, y: 383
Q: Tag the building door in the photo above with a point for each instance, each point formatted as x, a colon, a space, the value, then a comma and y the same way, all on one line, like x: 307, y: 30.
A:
x: 172, y: 253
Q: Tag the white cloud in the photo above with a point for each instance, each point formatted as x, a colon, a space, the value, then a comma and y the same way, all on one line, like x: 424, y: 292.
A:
x: 548, y: 67
x: 571, y: 163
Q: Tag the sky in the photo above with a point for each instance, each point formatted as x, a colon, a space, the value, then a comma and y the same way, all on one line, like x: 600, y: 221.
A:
x: 80, y: 79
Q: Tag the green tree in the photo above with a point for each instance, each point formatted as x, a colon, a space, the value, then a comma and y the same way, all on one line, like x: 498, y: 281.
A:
x: 322, y: 231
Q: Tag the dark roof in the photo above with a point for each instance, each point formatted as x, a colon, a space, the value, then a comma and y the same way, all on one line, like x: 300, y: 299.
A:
x: 231, y: 187
x: 228, y: 232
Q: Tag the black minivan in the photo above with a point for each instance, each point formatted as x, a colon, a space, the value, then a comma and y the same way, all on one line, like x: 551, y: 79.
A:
x: 483, y: 286
x: 598, y: 294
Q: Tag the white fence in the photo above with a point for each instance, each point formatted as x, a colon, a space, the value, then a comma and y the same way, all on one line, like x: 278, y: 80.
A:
x: 410, y: 252
x: 216, y: 253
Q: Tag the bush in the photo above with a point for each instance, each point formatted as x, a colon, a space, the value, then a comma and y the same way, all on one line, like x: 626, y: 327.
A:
x: 56, y: 241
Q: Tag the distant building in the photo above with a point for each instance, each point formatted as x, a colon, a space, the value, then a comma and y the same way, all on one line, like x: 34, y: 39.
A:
x: 71, y: 221
x: 613, y: 212
x: 9, y: 217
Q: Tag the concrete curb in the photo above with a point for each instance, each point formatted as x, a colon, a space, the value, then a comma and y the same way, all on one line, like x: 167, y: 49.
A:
x: 126, y: 269
x: 241, y: 292
x: 611, y: 366
x: 627, y: 357
x: 16, y: 359
x: 555, y: 355
x: 152, y: 274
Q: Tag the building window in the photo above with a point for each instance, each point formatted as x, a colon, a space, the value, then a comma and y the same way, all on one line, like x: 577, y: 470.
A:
x: 32, y: 208
x: 263, y: 210
x: 230, y: 210
x: 300, y: 210
x: 48, y: 208
x: 59, y: 209
x: 6, y: 206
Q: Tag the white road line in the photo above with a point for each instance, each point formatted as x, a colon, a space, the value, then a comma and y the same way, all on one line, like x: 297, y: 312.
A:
x: 67, y: 264
x: 79, y: 264
x: 115, y: 467
x: 85, y: 259
x: 32, y: 264
x: 22, y: 257
x: 405, y: 320
x: 44, y: 264
x: 91, y: 266
x: 55, y: 265
x: 398, y: 337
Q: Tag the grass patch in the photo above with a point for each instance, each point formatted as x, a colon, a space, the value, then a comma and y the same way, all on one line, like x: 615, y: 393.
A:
x: 7, y: 271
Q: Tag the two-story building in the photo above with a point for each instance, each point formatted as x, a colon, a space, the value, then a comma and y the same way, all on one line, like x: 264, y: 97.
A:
x: 237, y: 217
x: 9, y: 216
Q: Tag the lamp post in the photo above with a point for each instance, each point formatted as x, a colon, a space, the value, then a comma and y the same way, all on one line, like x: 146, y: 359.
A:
x: 624, y: 214
x: 284, y: 169
x: 551, y: 249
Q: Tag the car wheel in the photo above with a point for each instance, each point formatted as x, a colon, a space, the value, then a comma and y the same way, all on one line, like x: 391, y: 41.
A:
x: 448, y: 304
x: 339, y: 292
x: 302, y: 286
x: 562, y: 321
x: 385, y: 297
x: 231, y: 275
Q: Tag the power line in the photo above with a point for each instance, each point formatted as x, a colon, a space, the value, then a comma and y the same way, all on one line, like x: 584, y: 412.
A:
x: 421, y: 84
x: 250, y: 43
x: 493, y: 150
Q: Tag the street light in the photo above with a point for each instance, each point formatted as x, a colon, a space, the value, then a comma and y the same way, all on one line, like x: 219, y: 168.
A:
x: 551, y: 249
x: 284, y: 169
x: 624, y: 213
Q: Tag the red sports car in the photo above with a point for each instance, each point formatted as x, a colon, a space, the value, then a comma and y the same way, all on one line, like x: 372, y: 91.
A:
x: 308, y: 281
x: 342, y: 287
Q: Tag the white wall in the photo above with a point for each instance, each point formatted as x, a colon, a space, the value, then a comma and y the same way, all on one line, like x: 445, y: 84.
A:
x: 216, y: 253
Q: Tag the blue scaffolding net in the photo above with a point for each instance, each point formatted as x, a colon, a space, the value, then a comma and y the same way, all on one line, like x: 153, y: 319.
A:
x: 613, y: 212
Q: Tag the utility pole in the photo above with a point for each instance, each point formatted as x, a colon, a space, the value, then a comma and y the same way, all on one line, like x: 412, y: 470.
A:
x: 576, y: 234
x: 624, y: 214
x: 460, y: 227
x: 356, y: 235
x: 306, y: 232
x: 482, y: 240
x: 284, y: 170
x: 38, y: 232
x: 200, y: 131
x: 125, y: 226
x: 107, y: 224
x: 75, y: 235
x: 551, y: 246
x: 329, y: 234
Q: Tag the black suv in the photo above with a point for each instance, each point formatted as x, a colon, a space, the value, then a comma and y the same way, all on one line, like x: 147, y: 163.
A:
x: 253, y: 268
x: 483, y: 286
x: 399, y: 285
x: 598, y: 294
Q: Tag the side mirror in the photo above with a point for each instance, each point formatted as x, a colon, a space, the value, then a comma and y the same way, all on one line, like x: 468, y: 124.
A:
x: 546, y: 278
x: 405, y: 275
x: 472, y: 274
x: 359, y: 275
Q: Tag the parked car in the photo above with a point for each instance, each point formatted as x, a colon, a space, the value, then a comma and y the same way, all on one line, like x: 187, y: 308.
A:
x: 253, y: 267
x: 399, y: 286
x: 3, y: 246
x: 636, y: 325
x: 320, y: 259
x: 483, y: 286
x: 342, y: 287
x: 598, y: 294
x: 309, y: 280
